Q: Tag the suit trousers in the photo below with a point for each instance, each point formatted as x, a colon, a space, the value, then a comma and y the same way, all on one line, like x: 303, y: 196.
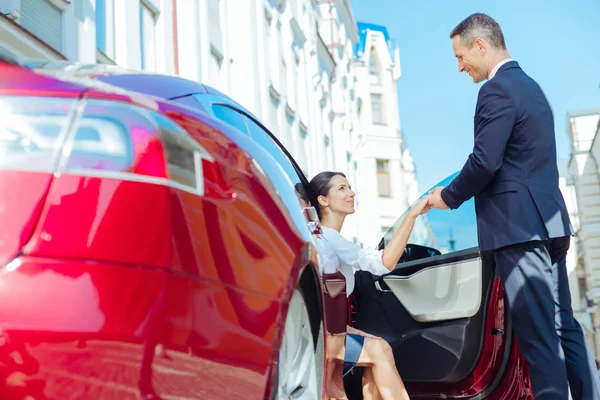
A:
x: 535, y: 281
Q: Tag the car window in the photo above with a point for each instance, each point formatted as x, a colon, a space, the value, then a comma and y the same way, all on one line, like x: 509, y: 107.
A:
x: 262, y: 137
x: 231, y: 116
x: 444, y: 230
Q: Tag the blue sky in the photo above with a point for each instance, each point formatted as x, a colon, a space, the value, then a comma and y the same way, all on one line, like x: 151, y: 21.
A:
x: 557, y: 42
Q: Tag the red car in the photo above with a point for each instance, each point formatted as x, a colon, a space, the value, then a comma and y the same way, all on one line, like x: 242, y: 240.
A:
x: 442, y: 309
x: 147, y: 250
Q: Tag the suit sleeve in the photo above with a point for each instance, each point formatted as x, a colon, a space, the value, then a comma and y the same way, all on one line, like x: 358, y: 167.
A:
x: 496, y: 114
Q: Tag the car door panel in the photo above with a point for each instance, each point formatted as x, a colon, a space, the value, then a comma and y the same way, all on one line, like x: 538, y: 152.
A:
x: 454, y: 342
x: 434, y: 307
x: 434, y: 294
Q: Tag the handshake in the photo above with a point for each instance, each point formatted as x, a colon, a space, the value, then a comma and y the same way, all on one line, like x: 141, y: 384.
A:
x: 432, y: 200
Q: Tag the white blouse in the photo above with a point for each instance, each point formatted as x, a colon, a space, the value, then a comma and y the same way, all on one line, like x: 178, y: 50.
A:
x: 338, y: 254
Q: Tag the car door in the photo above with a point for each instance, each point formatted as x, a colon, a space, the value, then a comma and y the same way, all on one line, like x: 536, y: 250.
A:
x: 334, y: 284
x: 441, y: 309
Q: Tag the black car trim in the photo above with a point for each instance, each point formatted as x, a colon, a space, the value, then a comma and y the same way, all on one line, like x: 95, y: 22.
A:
x: 218, y: 100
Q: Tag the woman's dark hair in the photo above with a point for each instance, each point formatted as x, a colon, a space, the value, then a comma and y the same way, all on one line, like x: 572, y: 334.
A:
x: 319, y: 186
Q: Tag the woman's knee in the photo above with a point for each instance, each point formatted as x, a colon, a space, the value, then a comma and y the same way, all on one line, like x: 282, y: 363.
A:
x: 379, y: 348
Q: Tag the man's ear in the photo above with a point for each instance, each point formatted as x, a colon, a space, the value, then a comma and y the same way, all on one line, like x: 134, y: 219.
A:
x: 481, y: 45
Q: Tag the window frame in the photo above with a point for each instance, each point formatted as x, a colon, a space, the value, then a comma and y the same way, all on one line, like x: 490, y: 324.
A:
x: 208, y: 100
x: 387, y: 176
x: 109, y: 37
x: 374, y: 67
x: 381, y: 120
x: 151, y: 9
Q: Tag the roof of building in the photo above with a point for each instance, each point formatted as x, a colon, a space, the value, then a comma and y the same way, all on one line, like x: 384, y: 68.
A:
x: 363, y: 28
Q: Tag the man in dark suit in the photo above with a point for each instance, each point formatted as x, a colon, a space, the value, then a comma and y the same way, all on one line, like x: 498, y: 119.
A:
x: 521, y: 214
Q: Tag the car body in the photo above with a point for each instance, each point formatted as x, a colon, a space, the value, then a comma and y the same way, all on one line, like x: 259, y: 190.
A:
x: 442, y: 310
x: 147, y: 250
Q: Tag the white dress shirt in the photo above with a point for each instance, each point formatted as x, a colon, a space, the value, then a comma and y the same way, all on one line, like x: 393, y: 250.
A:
x: 497, y: 67
x: 338, y: 254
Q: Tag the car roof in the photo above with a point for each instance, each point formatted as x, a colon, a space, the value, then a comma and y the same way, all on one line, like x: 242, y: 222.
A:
x: 154, y: 84
x: 164, y: 86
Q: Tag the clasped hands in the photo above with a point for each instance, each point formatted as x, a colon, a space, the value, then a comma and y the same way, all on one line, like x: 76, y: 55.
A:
x: 426, y: 203
x: 434, y: 199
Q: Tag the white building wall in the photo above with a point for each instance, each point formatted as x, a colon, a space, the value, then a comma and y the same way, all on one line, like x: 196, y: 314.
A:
x: 584, y: 166
x: 127, y: 34
x: 381, y: 139
x: 574, y: 269
x: 584, y: 169
x: 188, y: 39
x: 79, y: 34
x: 291, y: 63
x: 165, y: 48
x: 338, y: 30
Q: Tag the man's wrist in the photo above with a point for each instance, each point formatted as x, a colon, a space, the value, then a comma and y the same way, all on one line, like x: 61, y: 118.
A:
x: 447, y: 199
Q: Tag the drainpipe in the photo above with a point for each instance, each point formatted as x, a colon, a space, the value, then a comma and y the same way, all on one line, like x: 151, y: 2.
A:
x: 331, y: 78
x: 175, y: 37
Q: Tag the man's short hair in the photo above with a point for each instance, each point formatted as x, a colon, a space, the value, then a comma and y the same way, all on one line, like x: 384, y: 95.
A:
x: 482, y: 26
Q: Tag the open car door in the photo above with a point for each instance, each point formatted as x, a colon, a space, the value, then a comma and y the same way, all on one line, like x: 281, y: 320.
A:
x: 442, y: 310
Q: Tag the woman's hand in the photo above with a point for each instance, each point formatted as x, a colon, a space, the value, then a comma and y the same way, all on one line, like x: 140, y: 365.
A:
x: 421, y: 207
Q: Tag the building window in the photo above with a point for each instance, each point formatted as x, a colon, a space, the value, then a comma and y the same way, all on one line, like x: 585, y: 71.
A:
x: 215, y: 22
x: 44, y: 20
x: 147, y: 37
x: 105, y: 27
x: 374, y: 69
x: 383, y: 178
x: 377, y: 109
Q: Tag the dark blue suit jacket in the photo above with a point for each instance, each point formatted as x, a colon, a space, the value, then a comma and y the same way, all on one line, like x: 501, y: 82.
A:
x: 512, y: 171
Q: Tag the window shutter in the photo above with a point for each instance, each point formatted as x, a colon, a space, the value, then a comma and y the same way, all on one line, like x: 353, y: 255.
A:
x: 44, y: 20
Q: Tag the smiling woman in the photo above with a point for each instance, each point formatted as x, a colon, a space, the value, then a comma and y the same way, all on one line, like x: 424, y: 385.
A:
x: 334, y: 200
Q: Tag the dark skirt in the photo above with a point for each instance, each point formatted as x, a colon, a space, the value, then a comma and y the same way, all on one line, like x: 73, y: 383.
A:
x: 354, y: 345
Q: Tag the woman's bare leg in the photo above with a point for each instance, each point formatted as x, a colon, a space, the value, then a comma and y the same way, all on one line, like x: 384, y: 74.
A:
x: 369, y: 388
x: 334, y: 384
x: 376, y: 354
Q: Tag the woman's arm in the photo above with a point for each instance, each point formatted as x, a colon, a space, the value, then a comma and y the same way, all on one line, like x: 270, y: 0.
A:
x: 394, y: 249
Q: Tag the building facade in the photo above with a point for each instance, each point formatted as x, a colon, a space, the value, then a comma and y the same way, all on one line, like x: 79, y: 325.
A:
x: 386, y: 177
x: 293, y: 63
x: 584, y: 180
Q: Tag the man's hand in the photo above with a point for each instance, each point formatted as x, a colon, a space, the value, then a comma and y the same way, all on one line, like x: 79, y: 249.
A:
x: 420, y: 207
x: 435, y: 199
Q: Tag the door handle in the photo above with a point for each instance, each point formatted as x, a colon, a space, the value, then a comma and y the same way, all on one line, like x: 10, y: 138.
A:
x: 380, y: 289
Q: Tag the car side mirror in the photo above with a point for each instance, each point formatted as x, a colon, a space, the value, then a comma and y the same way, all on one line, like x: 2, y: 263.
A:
x: 312, y: 218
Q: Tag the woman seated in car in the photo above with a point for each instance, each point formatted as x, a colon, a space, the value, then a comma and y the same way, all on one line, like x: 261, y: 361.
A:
x: 334, y: 200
